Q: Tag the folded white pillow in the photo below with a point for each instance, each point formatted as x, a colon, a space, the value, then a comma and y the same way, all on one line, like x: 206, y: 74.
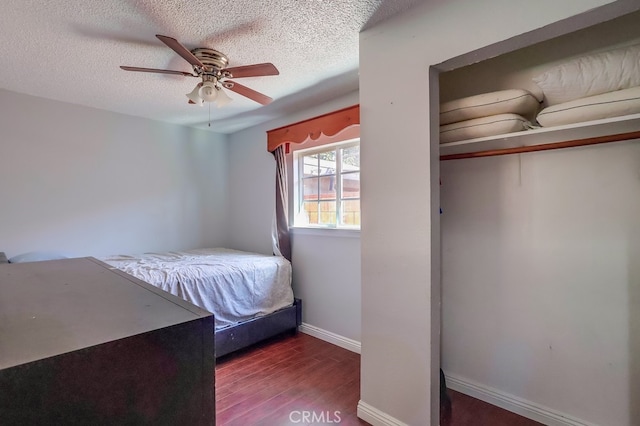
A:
x: 481, y: 127
x: 591, y: 75
x: 514, y: 101
x: 606, y: 105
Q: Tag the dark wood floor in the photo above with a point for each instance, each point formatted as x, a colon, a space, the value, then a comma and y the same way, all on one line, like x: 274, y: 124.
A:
x: 275, y: 383
x: 468, y: 411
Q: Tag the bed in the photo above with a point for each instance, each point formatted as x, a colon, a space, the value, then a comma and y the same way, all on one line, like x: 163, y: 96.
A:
x: 249, y: 294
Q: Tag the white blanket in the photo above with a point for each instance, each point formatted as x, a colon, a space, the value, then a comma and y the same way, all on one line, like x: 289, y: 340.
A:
x: 234, y: 285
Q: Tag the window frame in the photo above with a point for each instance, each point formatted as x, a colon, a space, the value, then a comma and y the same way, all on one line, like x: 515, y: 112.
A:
x: 296, y: 205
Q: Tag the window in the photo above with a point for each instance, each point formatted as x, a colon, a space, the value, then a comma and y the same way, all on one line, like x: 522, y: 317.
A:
x: 327, y: 186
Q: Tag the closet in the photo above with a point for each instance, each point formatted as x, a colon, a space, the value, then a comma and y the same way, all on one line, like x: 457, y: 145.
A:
x: 541, y: 250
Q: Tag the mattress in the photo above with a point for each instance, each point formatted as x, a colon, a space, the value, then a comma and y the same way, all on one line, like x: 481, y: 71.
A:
x: 233, y: 285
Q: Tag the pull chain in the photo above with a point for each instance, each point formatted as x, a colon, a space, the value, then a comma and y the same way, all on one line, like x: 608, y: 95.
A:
x: 209, y: 113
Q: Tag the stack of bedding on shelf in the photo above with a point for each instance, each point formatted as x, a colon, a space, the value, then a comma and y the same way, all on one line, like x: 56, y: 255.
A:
x: 591, y: 87
x: 487, y: 114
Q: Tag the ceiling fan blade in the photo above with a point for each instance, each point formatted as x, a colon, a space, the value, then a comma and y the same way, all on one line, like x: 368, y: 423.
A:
x: 180, y: 50
x: 256, y: 70
x: 157, y: 71
x: 246, y: 92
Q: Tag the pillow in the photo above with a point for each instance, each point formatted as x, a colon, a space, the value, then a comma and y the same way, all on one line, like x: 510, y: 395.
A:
x: 612, y: 104
x: 36, y: 256
x: 481, y: 127
x: 591, y: 75
x: 514, y: 101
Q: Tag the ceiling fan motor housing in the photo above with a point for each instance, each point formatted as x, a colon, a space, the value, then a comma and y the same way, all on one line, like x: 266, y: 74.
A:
x: 213, y: 60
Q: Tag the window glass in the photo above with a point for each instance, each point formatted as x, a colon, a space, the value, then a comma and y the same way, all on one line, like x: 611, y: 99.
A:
x: 350, y: 185
x: 327, y: 186
x: 351, y: 212
x: 351, y: 158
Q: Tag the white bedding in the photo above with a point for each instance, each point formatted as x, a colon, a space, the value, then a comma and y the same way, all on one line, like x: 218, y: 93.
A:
x: 591, y: 75
x: 481, y: 127
x: 234, y: 285
x: 512, y: 101
x: 605, y: 105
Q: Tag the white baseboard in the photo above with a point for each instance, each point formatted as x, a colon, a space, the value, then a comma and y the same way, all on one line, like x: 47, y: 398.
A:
x: 327, y: 336
x: 376, y: 417
x: 512, y: 403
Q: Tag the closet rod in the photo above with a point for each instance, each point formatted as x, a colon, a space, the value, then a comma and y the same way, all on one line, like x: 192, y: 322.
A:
x: 544, y: 147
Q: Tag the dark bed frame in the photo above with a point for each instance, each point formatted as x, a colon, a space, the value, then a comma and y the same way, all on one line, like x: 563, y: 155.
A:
x: 247, y: 333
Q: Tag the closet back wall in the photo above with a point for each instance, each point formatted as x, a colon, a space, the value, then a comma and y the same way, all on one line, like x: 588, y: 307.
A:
x: 541, y: 278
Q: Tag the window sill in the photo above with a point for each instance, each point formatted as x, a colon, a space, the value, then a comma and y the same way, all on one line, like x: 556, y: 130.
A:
x: 325, y: 232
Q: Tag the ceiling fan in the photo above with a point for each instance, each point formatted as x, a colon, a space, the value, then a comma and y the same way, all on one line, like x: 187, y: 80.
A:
x: 210, y: 65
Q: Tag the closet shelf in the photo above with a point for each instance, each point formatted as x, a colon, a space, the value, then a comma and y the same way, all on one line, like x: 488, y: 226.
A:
x: 545, y: 138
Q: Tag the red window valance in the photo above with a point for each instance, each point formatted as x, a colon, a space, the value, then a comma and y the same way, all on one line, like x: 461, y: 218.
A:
x: 328, y: 124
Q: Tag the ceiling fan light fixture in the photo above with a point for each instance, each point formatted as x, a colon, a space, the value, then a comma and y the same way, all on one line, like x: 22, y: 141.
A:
x: 223, y: 98
x: 208, y: 91
x: 194, y: 96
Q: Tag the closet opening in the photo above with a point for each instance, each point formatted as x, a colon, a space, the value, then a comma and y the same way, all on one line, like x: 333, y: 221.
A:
x: 540, y: 284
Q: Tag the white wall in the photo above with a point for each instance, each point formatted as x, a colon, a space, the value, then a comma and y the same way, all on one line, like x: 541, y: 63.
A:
x: 326, y: 268
x: 89, y: 182
x: 541, y: 279
x: 327, y: 279
x: 399, y: 251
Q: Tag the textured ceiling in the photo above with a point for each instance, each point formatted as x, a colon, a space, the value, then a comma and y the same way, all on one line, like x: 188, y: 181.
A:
x: 71, y: 50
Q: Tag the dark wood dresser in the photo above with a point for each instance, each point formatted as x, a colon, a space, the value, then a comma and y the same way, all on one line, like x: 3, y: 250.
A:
x: 82, y: 343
